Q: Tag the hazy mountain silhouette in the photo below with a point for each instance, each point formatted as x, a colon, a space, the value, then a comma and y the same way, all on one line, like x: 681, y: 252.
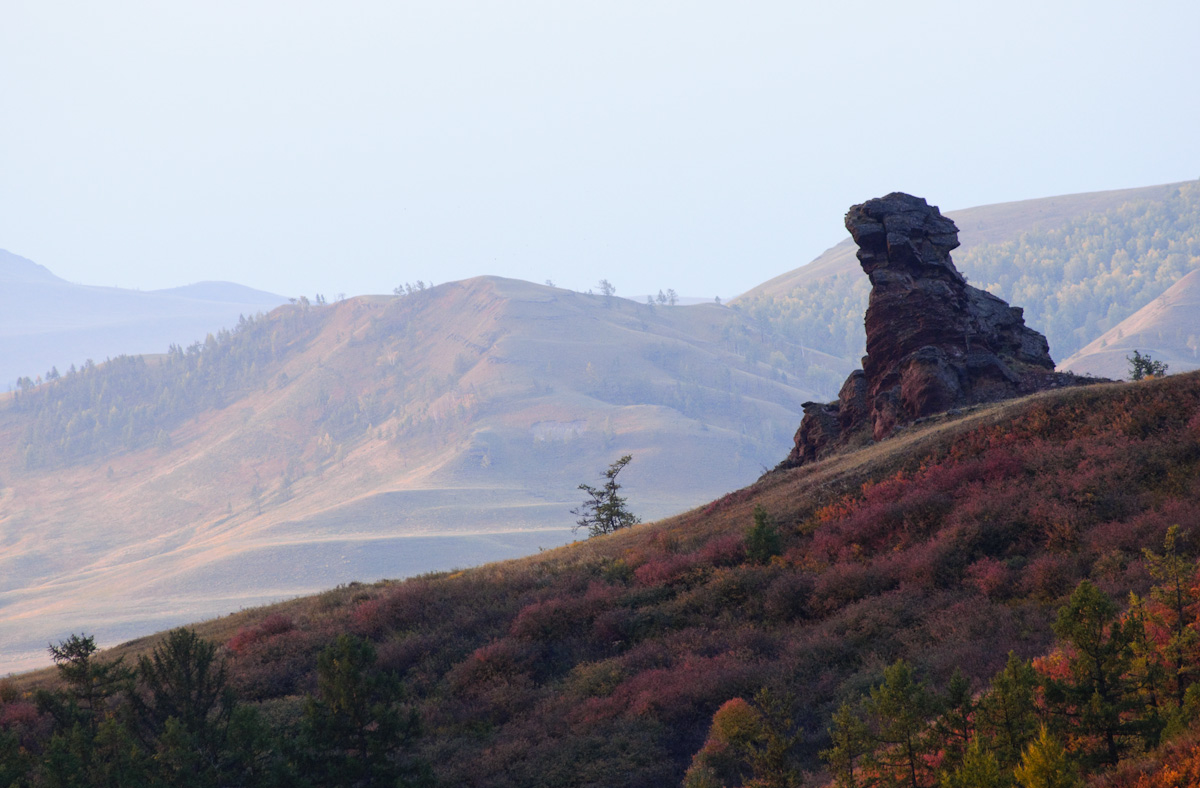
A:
x: 49, y: 322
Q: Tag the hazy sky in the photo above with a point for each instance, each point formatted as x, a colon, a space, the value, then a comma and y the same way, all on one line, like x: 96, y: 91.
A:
x: 305, y: 147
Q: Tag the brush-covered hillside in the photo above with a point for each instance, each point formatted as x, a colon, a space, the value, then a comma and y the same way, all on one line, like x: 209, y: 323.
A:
x: 1077, y: 264
x: 376, y: 437
x: 909, y: 597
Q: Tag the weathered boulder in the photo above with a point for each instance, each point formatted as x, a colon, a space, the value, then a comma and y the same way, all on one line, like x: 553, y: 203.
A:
x: 933, y: 342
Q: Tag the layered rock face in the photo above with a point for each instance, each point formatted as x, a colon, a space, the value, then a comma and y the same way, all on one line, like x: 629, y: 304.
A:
x: 933, y: 341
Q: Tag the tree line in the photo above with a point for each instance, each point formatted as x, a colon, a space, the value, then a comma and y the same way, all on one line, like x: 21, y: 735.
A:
x: 173, y: 720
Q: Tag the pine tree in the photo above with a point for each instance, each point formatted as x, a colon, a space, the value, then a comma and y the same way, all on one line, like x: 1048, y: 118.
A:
x: 1045, y: 765
x: 898, y: 711
x: 184, y: 708
x: 91, y: 684
x: 851, y: 743
x: 762, y: 540
x: 356, y: 730
x: 1175, y: 609
x: 1097, y: 694
x: 955, y: 727
x: 605, y: 512
x: 1006, y: 713
x: 979, y: 769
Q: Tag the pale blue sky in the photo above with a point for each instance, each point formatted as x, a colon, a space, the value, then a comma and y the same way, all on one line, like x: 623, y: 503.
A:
x: 306, y: 147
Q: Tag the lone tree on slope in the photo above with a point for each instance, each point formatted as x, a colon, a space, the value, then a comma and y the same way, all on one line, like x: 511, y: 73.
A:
x: 1141, y: 367
x: 604, y: 511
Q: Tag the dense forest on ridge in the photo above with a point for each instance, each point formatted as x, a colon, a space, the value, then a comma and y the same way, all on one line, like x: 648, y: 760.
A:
x: 1074, y: 282
x: 937, y: 564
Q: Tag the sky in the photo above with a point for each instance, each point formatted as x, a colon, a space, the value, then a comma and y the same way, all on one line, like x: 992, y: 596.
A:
x: 319, y: 147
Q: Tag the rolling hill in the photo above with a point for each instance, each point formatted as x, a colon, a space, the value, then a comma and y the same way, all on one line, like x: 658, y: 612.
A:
x: 375, y: 437
x: 1077, y: 264
x: 49, y: 322
x: 1168, y: 327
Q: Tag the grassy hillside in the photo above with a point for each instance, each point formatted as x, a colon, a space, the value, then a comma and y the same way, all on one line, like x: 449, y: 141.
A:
x: 376, y: 437
x: 1078, y: 265
x: 1168, y: 327
x: 604, y: 662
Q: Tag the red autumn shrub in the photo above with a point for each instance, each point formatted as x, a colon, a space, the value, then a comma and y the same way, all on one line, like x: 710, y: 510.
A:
x: 724, y: 550
x: 560, y: 616
x: 786, y: 599
x: 990, y: 577
x: 686, y: 692
x: 665, y: 569
x: 844, y: 583
x: 273, y: 624
x: 19, y: 713
x: 1050, y: 576
x: 500, y: 660
x: 371, y: 617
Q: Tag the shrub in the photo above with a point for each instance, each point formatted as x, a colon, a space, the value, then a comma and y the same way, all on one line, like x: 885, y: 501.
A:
x: 763, y: 541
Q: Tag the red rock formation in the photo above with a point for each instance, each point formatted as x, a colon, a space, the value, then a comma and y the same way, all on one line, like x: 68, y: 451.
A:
x: 933, y: 341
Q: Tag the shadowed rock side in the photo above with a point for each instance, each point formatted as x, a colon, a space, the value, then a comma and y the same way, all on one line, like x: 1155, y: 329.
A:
x: 933, y: 342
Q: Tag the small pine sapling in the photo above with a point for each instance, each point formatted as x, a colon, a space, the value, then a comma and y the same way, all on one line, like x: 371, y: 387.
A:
x: 763, y: 540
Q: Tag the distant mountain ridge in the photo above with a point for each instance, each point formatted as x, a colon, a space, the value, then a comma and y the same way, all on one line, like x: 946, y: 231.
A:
x: 48, y: 322
x: 14, y: 268
x: 230, y: 292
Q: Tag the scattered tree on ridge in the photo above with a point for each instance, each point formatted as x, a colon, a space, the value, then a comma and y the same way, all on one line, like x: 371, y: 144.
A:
x: 1141, y: 367
x: 604, y: 511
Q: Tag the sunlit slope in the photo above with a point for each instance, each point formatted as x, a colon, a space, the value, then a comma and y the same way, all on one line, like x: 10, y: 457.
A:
x: 406, y: 434
x: 1168, y: 328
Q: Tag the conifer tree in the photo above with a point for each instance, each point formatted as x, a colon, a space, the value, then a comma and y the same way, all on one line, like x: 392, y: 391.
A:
x: 184, y: 708
x: 1045, y: 764
x: 955, y: 726
x: 604, y: 511
x: 1175, y: 598
x: 1146, y: 672
x: 1006, y: 713
x: 898, y: 711
x: 1097, y: 693
x: 762, y: 540
x: 979, y: 769
x: 851, y: 743
x: 356, y: 730
x: 90, y: 683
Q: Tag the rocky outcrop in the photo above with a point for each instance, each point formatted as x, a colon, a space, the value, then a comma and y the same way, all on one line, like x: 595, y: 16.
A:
x: 933, y: 342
